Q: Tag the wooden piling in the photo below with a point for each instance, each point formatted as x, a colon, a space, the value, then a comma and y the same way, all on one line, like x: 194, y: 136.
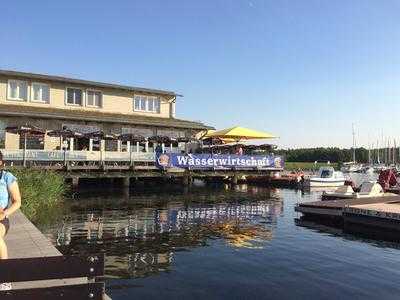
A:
x: 126, y: 182
x: 235, y: 179
x: 75, y: 182
x: 186, y: 180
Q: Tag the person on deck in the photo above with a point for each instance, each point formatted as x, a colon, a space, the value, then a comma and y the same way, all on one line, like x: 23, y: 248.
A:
x: 159, y: 150
x: 10, y: 201
x: 239, y: 150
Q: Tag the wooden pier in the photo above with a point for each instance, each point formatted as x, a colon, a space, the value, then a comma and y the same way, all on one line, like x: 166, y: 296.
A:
x: 26, y: 243
x: 76, y: 165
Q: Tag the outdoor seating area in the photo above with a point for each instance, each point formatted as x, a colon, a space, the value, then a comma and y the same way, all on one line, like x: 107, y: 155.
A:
x: 98, y: 148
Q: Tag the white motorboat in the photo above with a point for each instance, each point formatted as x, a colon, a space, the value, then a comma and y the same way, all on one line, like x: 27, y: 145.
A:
x: 369, y: 189
x: 367, y: 170
x: 342, y: 192
x: 351, y: 167
x: 326, y: 177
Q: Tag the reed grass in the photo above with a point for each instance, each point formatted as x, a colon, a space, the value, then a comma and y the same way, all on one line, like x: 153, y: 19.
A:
x: 42, y: 194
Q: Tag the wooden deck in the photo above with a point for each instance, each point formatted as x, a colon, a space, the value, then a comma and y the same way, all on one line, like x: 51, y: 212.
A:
x: 335, y: 208
x: 24, y: 240
x: 380, y: 215
x: 384, y: 216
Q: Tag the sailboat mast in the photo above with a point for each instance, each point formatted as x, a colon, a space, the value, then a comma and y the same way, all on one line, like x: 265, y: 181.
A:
x: 377, y: 148
x: 369, y: 154
x: 354, y: 143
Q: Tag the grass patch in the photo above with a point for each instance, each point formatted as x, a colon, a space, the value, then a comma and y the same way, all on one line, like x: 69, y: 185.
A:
x: 306, y: 166
x: 42, y: 194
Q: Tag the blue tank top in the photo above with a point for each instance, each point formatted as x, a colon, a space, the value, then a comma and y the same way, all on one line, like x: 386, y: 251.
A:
x: 6, y: 180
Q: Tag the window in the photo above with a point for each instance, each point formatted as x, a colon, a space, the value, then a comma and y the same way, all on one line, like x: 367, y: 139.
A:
x: 150, y: 104
x: 94, y: 98
x: 147, y: 104
x: 74, y: 96
x: 40, y: 92
x: 17, y: 90
x: 137, y: 103
x: 143, y: 103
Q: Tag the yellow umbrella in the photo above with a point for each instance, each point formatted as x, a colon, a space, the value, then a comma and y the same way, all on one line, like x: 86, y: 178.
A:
x: 240, y: 133
x: 203, y: 134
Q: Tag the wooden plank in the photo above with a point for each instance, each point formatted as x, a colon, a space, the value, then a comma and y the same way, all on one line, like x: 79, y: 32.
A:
x: 92, y: 291
x: 54, y: 267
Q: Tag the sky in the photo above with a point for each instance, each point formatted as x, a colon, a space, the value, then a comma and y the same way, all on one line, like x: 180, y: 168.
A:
x: 302, y: 70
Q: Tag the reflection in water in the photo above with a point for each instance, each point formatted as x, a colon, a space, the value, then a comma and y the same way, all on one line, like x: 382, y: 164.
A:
x: 222, y: 242
x: 141, y: 234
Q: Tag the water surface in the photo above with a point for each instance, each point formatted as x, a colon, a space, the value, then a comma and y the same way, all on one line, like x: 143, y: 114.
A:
x: 218, y: 242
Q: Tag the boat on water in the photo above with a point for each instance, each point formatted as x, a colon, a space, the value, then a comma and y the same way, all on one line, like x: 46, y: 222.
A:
x: 351, y: 167
x: 326, y: 177
x: 379, y: 168
x: 367, y: 170
x: 368, y: 189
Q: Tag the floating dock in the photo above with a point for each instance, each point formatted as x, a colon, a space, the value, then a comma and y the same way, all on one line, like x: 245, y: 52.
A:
x: 335, y: 208
x: 381, y: 213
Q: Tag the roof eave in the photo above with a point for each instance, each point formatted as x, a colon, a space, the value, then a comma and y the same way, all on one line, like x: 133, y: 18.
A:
x: 157, y: 122
x: 85, y: 82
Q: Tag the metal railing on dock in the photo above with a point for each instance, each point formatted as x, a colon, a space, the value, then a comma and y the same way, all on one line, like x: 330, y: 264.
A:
x: 60, y: 156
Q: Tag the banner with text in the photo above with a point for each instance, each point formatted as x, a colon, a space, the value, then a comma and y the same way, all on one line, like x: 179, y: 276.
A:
x: 216, y: 161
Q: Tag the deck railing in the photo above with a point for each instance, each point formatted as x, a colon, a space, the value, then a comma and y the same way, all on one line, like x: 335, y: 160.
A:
x: 76, y: 156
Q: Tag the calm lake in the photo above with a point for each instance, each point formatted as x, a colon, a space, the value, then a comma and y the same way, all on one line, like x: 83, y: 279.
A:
x: 222, y: 242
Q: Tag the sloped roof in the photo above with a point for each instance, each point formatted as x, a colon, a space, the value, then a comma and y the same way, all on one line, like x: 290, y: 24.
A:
x: 94, y: 116
x: 84, y: 82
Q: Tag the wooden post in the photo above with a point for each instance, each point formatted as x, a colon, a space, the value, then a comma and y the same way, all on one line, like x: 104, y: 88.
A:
x: 137, y: 147
x: 170, y: 147
x: 118, y: 146
x: 163, y: 147
x: 186, y: 180
x: 235, y: 179
x: 147, y: 146
x: 90, y: 144
x: 128, y: 146
x: 71, y: 144
x: 24, y: 154
x: 75, y: 182
x: 102, y: 154
x: 102, y: 145
x: 126, y: 182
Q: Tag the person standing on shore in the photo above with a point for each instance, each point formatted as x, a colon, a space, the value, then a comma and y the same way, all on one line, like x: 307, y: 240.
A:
x: 10, y: 201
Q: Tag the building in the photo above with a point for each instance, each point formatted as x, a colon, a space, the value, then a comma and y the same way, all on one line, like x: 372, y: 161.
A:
x: 54, y: 102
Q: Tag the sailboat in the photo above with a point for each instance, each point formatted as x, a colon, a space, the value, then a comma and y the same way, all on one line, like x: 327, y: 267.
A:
x: 353, y: 166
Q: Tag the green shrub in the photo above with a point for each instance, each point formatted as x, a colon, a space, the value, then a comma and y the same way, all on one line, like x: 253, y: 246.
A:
x: 42, y: 193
